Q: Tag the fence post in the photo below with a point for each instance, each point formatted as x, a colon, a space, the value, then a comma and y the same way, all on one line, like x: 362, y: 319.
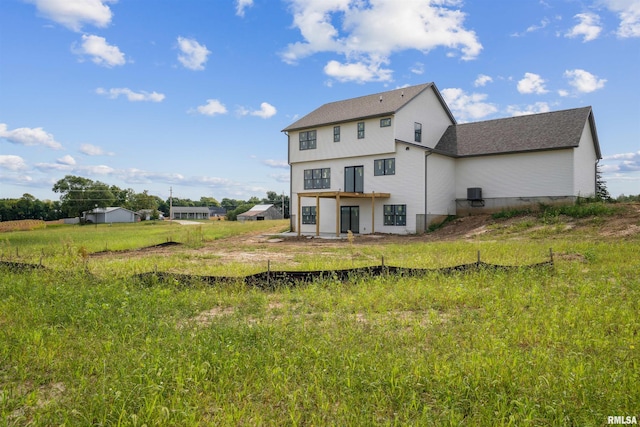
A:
x: 478, y: 262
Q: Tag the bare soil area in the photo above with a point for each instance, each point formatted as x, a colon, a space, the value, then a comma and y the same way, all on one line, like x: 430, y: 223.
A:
x: 263, y: 246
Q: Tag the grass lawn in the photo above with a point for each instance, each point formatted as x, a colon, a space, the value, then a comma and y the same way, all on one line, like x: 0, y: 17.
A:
x: 82, y: 343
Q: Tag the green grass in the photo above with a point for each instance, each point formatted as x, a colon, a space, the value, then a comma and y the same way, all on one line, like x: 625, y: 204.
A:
x: 521, y: 348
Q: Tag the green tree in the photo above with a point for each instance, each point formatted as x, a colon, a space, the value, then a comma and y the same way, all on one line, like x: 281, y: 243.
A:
x: 209, y: 201
x: 601, y: 186
x: 78, y: 194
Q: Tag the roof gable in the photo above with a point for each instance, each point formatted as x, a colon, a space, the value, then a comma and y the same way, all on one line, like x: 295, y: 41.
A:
x: 379, y: 104
x: 545, y: 131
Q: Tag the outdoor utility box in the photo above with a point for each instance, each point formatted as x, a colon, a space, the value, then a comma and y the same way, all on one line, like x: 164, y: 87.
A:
x: 474, y: 194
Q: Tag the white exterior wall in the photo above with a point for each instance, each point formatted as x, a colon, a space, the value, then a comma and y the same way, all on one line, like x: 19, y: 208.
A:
x: 406, y: 187
x: 441, y: 178
x: 584, y: 167
x: 427, y: 110
x: 377, y: 140
x: 545, y: 173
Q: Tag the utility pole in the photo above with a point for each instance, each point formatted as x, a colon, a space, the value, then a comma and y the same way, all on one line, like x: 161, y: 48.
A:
x: 170, y: 204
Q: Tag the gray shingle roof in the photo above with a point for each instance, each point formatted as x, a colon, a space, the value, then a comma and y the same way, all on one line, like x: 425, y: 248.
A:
x: 545, y: 131
x: 362, y: 107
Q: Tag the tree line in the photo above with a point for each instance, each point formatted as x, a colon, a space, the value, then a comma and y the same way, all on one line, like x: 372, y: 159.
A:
x: 78, y: 195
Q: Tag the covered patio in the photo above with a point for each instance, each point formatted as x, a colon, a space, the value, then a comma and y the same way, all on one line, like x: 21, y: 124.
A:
x: 337, y: 195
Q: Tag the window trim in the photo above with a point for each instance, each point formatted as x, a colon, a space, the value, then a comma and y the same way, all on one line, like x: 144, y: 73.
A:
x: 316, y: 179
x: 304, y: 137
x: 360, y: 130
x: 310, y: 216
x: 388, y: 167
x: 417, y: 132
x: 386, y: 122
x: 395, y: 215
x: 336, y: 134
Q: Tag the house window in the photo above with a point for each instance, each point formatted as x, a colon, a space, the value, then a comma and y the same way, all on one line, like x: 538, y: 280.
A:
x: 384, y: 167
x: 354, y: 179
x: 417, y: 127
x: 360, y: 130
x: 385, y: 122
x: 317, y: 178
x: 336, y: 134
x: 308, y: 214
x: 395, y: 214
x: 308, y: 140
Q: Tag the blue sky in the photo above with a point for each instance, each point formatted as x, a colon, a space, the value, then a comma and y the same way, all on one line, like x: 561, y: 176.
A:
x: 193, y: 94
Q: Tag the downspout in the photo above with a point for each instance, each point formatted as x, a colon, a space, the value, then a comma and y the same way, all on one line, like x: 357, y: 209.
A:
x: 427, y: 153
x: 290, y: 182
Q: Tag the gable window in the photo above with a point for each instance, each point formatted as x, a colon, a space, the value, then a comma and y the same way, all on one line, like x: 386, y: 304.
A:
x: 308, y: 214
x: 360, y: 130
x: 336, y: 134
x: 354, y: 179
x: 417, y: 127
x: 317, y: 178
x: 384, y: 167
x: 395, y: 214
x: 308, y: 140
x: 385, y: 122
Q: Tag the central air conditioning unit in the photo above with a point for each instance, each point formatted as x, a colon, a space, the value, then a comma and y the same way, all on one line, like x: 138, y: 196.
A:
x: 474, y: 196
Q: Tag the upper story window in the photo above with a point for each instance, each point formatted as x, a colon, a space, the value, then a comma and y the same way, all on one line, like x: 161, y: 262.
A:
x: 336, y: 134
x: 384, y: 167
x: 317, y: 178
x: 308, y: 140
x: 385, y: 122
x: 360, y: 130
x: 417, y: 127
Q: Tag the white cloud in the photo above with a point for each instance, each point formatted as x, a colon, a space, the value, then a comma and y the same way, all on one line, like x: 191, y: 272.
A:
x: 101, y: 52
x: 583, y: 81
x: 531, y: 83
x: 193, y: 54
x: 132, y: 96
x: 211, y: 108
x: 280, y: 164
x: 629, y: 13
x: 467, y: 107
x: 93, y: 150
x: 66, y: 160
x: 280, y: 177
x: 418, y: 68
x: 241, y: 5
x: 266, y: 111
x: 73, y: 14
x: 627, y: 162
x: 29, y: 137
x: 370, y: 32
x: 482, y: 80
x: 359, y: 72
x: 589, y: 27
x: 11, y: 162
x: 538, y: 107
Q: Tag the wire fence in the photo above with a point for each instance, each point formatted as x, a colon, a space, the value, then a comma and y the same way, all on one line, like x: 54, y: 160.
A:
x: 272, y: 279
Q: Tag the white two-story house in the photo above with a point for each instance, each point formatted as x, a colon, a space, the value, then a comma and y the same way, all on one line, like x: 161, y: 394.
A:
x: 395, y: 161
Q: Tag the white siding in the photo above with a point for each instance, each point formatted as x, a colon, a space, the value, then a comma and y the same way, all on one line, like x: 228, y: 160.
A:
x: 377, y: 140
x: 548, y: 173
x: 441, y: 178
x: 427, y: 110
x: 406, y: 188
x: 119, y: 215
x: 584, y: 158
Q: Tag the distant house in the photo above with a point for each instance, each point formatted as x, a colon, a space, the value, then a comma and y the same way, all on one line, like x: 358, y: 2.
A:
x: 109, y: 215
x: 260, y: 213
x: 217, y: 212
x: 147, y: 214
x: 182, y: 212
x: 395, y: 161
